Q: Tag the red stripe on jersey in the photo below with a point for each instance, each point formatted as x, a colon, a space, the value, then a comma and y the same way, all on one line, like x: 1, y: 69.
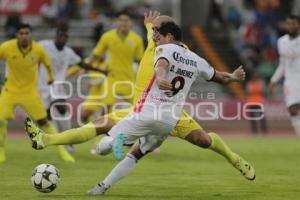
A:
x: 138, y: 107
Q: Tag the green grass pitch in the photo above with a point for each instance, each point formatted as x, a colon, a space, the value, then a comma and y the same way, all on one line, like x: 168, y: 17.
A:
x: 180, y: 171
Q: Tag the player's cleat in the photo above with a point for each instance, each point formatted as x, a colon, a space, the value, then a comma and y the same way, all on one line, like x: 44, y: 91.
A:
x: 245, y: 168
x: 118, y: 146
x: 99, y: 189
x: 35, y: 134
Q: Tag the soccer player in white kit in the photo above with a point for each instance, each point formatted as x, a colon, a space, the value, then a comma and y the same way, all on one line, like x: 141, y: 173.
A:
x: 54, y: 96
x: 289, y: 68
x: 159, y: 108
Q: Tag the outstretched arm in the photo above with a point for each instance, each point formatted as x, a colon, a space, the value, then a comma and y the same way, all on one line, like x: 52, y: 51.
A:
x: 224, y: 77
x: 279, y: 73
x: 88, y: 67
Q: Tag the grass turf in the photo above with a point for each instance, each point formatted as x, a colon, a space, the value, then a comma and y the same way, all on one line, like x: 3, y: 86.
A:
x: 180, y: 171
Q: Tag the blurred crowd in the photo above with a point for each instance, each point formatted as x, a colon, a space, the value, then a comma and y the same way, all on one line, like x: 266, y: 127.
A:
x: 254, y: 33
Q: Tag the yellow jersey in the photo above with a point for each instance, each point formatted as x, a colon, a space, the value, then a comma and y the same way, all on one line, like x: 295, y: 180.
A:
x: 146, y: 66
x: 22, y: 66
x: 122, y: 53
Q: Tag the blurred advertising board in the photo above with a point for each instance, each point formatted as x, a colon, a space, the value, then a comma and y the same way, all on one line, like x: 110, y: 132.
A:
x: 27, y: 7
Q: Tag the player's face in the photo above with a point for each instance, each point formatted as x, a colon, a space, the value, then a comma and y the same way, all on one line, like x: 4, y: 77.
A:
x: 61, y: 39
x: 292, y: 26
x: 160, y: 39
x: 124, y: 23
x: 24, y: 37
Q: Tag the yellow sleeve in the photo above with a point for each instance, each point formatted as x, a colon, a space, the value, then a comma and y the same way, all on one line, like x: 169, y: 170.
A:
x: 101, y: 46
x: 73, y: 70
x: 149, y: 35
x: 47, y: 63
x: 139, y: 49
x: 2, y: 51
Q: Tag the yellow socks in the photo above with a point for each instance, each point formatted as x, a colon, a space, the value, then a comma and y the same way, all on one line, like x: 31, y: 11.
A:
x: 64, y: 154
x: 219, y: 146
x: 3, y: 132
x: 72, y: 136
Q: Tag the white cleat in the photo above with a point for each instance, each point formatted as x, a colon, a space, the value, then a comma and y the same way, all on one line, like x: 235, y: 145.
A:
x: 98, y: 189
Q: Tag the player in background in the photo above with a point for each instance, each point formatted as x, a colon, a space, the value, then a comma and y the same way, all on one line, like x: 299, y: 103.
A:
x: 289, y: 68
x: 158, y: 110
x: 123, y: 47
x: 54, y: 96
x: 186, y: 128
x: 22, y: 56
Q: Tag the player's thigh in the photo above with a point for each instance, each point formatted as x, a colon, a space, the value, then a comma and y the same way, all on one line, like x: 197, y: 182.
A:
x: 159, y: 133
x: 132, y: 128
x: 185, y: 126
x: 33, y: 105
x: 7, y: 104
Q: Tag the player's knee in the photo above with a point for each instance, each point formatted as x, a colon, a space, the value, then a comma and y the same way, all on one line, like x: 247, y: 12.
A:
x: 104, y: 147
x: 85, y: 115
x: 294, y: 110
x: 103, y: 125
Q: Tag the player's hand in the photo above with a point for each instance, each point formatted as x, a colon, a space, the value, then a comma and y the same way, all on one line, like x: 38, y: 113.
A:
x: 164, y: 84
x: 150, y: 16
x: 239, y: 74
x: 271, y: 87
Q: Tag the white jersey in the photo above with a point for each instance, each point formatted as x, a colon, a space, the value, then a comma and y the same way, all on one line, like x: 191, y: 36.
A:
x: 184, y: 68
x: 61, y: 60
x: 289, y: 67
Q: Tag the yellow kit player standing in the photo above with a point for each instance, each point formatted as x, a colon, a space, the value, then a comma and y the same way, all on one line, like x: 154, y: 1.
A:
x: 22, y: 57
x: 123, y: 47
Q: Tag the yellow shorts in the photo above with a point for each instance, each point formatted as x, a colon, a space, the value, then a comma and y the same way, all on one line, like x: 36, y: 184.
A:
x: 107, y: 94
x: 31, y: 102
x: 185, y: 125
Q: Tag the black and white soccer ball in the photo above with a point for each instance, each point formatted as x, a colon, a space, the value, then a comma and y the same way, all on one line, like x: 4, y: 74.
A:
x: 45, y: 178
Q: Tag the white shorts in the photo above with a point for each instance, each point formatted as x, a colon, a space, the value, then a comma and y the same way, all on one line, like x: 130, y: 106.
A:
x: 149, y: 133
x: 292, y: 94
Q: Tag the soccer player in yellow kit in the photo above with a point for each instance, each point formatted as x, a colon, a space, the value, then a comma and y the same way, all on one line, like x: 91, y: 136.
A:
x: 124, y: 47
x: 22, y: 57
x: 187, y: 128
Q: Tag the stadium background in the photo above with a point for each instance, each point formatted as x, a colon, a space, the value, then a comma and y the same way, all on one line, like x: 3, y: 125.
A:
x: 225, y: 32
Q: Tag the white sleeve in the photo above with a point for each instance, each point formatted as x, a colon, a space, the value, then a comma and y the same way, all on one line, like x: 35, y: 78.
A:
x: 279, y: 73
x: 282, y: 49
x: 73, y: 57
x: 205, y: 71
x: 161, y: 52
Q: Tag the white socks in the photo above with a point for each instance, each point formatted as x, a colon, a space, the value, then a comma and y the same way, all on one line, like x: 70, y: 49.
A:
x: 121, y: 170
x: 296, y: 123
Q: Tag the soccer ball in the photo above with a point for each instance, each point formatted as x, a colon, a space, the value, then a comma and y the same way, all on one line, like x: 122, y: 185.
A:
x: 45, y: 178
